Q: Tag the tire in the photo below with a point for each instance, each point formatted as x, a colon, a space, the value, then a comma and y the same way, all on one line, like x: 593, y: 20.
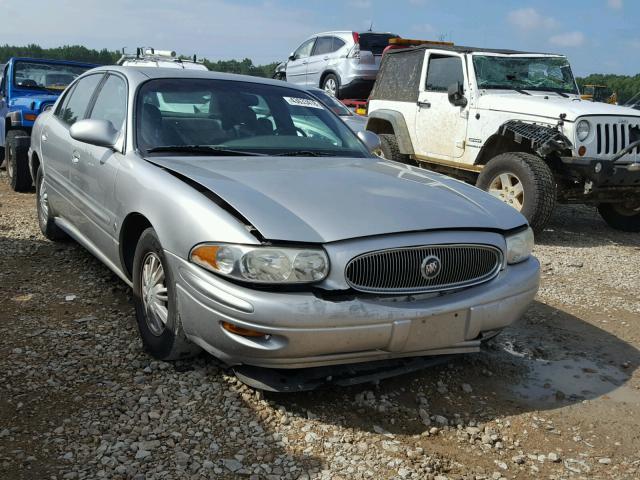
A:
x: 17, y: 161
x: 279, y: 76
x: 331, y: 85
x: 390, y: 149
x: 531, y: 187
x: 163, y: 339
x: 620, y: 217
x: 2, y: 157
x: 45, y: 218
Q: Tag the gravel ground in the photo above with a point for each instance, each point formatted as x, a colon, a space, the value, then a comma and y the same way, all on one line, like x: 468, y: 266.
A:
x: 556, y: 396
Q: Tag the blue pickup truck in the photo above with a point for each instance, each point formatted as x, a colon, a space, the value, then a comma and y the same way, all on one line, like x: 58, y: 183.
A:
x: 29, y: 86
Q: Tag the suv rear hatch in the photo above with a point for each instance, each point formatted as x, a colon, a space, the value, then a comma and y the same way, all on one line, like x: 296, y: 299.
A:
x: 372, y: 45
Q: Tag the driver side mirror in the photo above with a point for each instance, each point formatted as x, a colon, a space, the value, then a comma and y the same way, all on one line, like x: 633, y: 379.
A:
x: 292, y: 56
x: 101, y: 133
x: 371, y: 140
x: 456, y: 95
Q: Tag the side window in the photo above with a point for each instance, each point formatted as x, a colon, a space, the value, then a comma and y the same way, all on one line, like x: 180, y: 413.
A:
x: 338, y: 43
x: 3, y: 86
x: 75, y: 105
x: 323, y: 46
x: 304, y: 50
x: 443, y: 71
x: 111, y: 103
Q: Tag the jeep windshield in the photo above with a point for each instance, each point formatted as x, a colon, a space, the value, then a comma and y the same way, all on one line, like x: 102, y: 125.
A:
x: 524, y: 73
x: 188, y: 116
x: 45, y: 76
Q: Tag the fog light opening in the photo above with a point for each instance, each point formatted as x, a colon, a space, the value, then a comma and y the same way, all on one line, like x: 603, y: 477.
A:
x: 244, y: 332
x: 582, y: 151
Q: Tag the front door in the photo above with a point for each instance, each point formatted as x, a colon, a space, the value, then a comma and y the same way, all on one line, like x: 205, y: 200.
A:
x: 441, y: 127
x: 297, y: 66
x: 4, y: 107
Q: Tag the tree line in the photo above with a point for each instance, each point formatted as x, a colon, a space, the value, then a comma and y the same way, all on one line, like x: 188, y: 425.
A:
x: 624, y: 85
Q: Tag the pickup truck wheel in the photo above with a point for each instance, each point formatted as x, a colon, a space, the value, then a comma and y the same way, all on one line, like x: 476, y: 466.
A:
x: 17, y: 161
x: 390, y: 149
x: 155, y: 300
x: 45, y: 216
x: 331, y: 85
x: 621, y: 216
x: 523, y: 181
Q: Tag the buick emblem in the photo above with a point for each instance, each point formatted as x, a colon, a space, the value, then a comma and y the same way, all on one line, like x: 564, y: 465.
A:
x: 430, y: 267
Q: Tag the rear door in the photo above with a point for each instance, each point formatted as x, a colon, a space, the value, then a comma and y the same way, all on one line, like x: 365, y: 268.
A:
x: 93, y: 176
x: 297, y: 66
x: 440, y: 128
x: 320, y: 58
x: 4, y: 106
x: 60, y: 151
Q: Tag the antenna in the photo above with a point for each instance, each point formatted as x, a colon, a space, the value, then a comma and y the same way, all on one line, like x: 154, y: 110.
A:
x: 371, y: 26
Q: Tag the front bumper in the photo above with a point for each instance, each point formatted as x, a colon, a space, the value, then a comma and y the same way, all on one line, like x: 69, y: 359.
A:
x: 306, y: 330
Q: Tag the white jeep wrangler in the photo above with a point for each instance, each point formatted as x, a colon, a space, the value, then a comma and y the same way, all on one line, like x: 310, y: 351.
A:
x: 512, y: 123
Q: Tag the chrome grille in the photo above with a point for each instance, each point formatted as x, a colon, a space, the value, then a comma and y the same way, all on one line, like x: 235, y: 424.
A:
x: 613, y: 137
x: 399, y: 270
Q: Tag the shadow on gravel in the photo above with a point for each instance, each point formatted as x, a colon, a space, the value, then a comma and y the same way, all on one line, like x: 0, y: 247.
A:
x: 550, y: 359
x: 580, y: 226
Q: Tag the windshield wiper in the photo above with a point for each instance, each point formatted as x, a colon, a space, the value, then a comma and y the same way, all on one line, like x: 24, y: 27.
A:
x: 303, y: 153
x: 201, y: 150
x: 519, y: 90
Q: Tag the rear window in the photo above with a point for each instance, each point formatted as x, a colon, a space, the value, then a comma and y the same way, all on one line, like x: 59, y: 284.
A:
x: 399, y: 76
x: 375, y: 42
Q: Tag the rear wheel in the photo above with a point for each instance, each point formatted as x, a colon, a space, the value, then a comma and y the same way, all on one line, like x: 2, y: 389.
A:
x: 158, y: 321
x: 279, y: 76
x: 331, y: 85
x: 45, y: 216
x: 2, y: 164
x: 17, y: 161
x: 390, y: 149
x: 525, y: 182
x: 621, y: 216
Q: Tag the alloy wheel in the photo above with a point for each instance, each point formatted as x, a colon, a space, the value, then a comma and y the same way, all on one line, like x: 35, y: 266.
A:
x: 330, y: 86
x: 155, y: 297
x: 508, y: 188
x: 43, y: 201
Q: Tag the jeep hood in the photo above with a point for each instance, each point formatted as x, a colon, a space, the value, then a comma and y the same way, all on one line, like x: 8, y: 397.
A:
x: 549, y: 105
x: 325, y: 199
x: 32, y: 101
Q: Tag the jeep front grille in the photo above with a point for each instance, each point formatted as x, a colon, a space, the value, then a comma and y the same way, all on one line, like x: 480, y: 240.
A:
x: 613, y: 137
x: 399, y: 270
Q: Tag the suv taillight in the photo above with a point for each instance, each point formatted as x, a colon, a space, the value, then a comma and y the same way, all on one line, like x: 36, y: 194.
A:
x: 355, y: 50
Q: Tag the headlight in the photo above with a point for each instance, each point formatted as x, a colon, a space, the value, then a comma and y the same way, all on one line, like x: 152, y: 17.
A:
x: 582, y: 130
x: 519, y: 246
x: 262, y: 264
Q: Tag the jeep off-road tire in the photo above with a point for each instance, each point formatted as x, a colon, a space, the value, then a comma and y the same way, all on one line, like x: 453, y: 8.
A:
x: 390, y: 149
x: 331, y: 85
x: 17, y: 161
x: 45, y: 215
x: 620, y: 216
x: 536, y: 194
x: 155, y: 299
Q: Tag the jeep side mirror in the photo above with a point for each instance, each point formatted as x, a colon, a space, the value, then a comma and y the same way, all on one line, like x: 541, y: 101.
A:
x: 456, y: 95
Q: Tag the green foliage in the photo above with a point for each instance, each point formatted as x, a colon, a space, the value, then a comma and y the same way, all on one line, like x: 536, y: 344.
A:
x: 625, y: 86
x: 244, y: 67
x: 76, y: 53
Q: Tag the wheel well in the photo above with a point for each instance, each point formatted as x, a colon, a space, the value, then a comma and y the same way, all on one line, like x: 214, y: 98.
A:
x: 35, y: 164
x: 497, y: 144
x: 132, y: 227
x: 324, y: 75
x: 378, y: 125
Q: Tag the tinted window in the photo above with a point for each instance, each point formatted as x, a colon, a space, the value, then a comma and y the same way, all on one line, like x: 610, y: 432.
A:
x: 111, y: 103
x: 442, y: 72
x: 337, y: 44
x: 75, y: 104
x: 375, y: 42
x: 45, y: 76
x: 323, y: 46
x: 304, y: 50
x: 399, y: 76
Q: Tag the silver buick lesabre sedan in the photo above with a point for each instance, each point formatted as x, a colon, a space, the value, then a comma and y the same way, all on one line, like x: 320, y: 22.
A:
x: 251, y: 222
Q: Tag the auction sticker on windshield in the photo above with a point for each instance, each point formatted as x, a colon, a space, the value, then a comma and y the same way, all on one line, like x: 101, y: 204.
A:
x: 303, y: 102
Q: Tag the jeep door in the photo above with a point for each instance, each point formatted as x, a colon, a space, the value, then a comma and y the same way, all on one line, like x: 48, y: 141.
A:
x: 440, y: 127
x: 4, y: 107
x: 93, y: 175
x: 60, y: 152
x: 321, y: 56
x: 297, y: 66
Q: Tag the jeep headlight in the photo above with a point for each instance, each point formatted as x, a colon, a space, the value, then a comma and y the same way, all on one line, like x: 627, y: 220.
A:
x: 519, y: 246
x: 582, y: 130
x: 259, y: 264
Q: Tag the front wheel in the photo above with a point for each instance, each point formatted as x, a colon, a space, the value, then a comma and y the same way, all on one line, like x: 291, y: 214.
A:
x: 45, y: 217
x: 390, y: 148
x: 17, y: 161
x: 154, y: 292
x: 621, y: 216
x: 525, y: 182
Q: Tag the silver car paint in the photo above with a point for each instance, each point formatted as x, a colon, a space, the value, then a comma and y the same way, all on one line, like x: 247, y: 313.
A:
x: 350, y: 205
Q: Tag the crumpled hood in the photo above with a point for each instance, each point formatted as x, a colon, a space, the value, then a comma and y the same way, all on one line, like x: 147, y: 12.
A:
x: 550, y: 105
x: 326, y: 199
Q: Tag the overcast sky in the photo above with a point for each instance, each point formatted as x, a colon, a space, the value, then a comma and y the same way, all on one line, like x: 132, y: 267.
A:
x: 597, y: 35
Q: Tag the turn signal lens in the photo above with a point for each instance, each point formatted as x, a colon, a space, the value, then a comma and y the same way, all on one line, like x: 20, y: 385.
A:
x: 30, y: 116
x: 244, y: 332
x: 219, y: 258
x: 582, y: 150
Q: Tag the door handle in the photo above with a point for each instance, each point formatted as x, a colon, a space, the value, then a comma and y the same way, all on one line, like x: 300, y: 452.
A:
x: 304, y: 62
x: 326, y: 58
x: 75, y: 158
x: 424, y: 104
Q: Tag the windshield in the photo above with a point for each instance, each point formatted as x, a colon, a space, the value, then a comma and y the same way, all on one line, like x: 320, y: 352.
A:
x: 524, y: 73
x: 241, y: 116
x: 45, y: 76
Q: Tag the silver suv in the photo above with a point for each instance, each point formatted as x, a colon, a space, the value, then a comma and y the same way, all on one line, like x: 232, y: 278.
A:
x: 343, y: 63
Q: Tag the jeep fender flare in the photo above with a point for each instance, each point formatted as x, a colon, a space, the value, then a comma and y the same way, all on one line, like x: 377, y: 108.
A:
x: 391, y: 121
